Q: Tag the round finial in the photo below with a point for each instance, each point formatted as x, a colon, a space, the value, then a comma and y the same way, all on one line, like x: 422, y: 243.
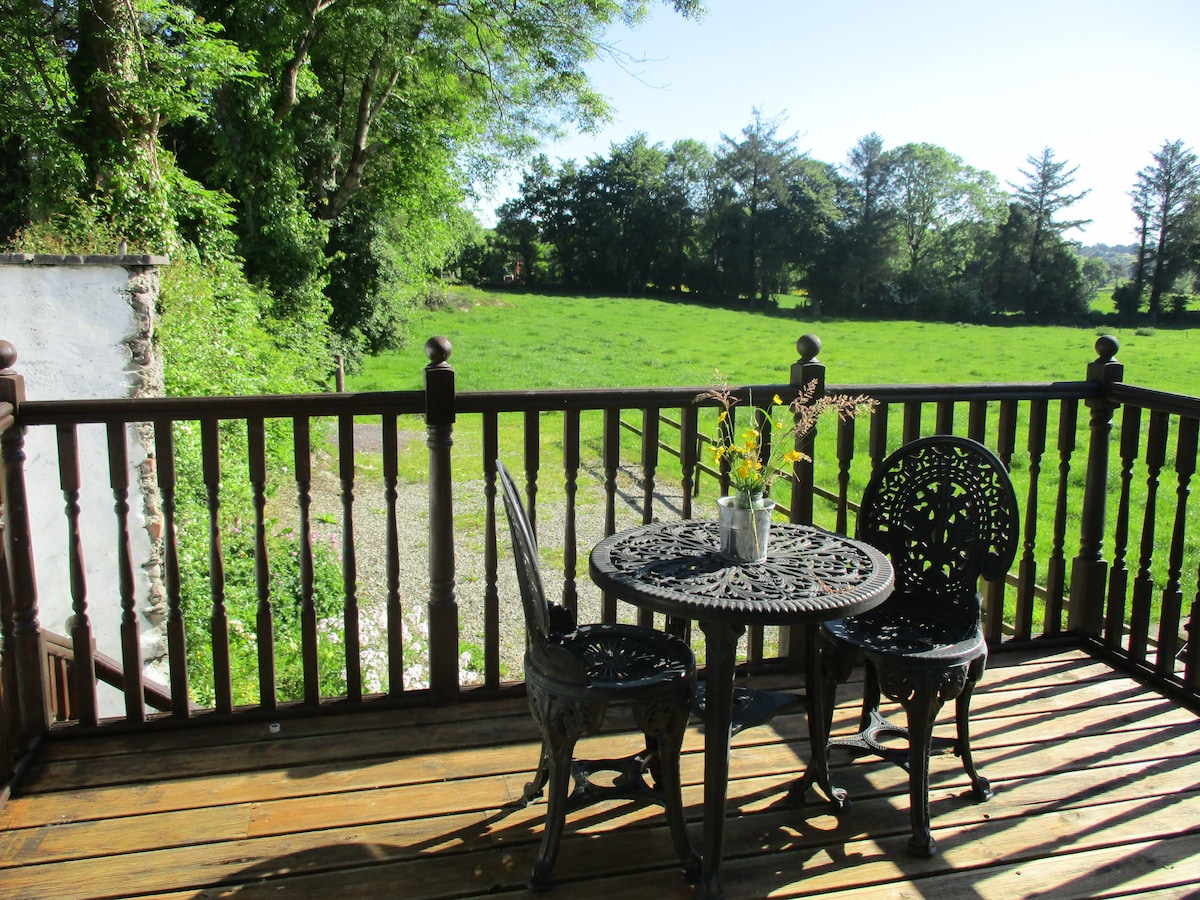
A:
x: 438, y: 350
x: 808, y: 346
x: 8, y: 354
x: 1107, y: 346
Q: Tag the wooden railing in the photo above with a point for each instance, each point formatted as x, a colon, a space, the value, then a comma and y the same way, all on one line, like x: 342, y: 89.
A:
x: 592, y: 461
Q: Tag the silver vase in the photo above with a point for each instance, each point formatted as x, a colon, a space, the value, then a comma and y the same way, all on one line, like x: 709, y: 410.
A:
x: 744, y: 531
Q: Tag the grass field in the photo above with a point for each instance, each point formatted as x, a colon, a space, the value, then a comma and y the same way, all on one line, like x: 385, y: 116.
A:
x: 527, y: 341
x: 522, y: 341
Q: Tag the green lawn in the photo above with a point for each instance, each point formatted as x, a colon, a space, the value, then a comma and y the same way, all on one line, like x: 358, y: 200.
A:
x: 526, y: 341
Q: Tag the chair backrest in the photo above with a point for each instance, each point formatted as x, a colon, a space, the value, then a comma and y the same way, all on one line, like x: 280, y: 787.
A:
x: 533, y: 594
x: 944, y: 511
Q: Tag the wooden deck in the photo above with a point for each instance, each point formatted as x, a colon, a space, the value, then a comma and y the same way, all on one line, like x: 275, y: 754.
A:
x: 1097, y: 795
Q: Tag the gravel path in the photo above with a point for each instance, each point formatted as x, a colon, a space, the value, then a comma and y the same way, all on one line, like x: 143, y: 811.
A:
x: 370, y: 532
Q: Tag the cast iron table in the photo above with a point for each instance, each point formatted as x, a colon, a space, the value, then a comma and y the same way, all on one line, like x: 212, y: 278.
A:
x: 676, y: 568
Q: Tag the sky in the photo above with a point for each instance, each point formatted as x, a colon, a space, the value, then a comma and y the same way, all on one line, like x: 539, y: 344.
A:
x: 1103, y: 83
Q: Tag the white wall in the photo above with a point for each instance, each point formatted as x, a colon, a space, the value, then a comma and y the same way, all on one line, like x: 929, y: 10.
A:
x: 76, y: 325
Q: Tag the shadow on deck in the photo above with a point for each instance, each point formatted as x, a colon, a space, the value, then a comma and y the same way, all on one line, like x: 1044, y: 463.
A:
x: 1097, y: 795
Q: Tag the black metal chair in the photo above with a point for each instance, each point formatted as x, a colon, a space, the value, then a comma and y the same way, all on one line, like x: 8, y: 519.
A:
x: 573, y: 673
x: 944, y: 511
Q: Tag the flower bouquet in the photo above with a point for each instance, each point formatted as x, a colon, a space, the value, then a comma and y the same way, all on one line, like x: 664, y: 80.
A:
x: 757, y: 455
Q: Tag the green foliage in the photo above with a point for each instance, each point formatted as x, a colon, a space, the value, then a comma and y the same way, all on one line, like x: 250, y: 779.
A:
x: 241, y: 606
x: 199, y: 300
x: 912, y: 232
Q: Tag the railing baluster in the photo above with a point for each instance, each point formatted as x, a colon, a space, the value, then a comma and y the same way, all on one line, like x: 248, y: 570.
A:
x: 945, y: 417
x: 395, y: 617
x: 1118, y: 576
x: 1056, y: 568
x: 164, y: 457
x: 1006, y: 434
x: 688, y: 430
x: 1143, y: 582
x: 570, y: 596
x: 612, y: 460
x: 80, y: 626
x: 649, y: 461
x: 649, y: 454
x: 309, y: 638
x: 1027, y: 570
x: 210, y: 451
x: 879, y: 435
x: 845, y: 454
x: 1191, y: 653
x: 256, y: 450
x: 912, y: 421
x: 351, y: 639
x: 491, y: 593
x: 977, y: 412
x: 1172, y: 595
x: 805, y: 371
x: 131, y: 643
x: 993, y: 591
x: 533, y: 463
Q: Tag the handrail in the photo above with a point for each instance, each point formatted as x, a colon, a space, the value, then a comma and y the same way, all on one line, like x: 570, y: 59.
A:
x: 108, y: 671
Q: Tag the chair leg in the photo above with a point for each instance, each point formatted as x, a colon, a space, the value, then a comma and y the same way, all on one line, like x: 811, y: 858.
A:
x: 921, y: 708
x: 533, y: 789
x: 962, y: 707
x: 828, y: 666
x: 664, y: 725
x: 559, y: 742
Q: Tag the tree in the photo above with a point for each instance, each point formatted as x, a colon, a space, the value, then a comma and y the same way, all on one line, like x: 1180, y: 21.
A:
x: 755, y: 172
x: 869, y: 237
x: 148, y: 115
x: 89, y: 89
x: 1052, y: 292
x: 935, y: 190
x: 1044, y: 196
x: 1165, y: 202
x: 687, y: 187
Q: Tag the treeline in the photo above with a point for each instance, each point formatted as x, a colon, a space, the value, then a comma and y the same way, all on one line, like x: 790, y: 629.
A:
x: 911, y: 232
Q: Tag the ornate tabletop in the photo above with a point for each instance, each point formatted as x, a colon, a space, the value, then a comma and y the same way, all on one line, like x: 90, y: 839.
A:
x: 676, y: 568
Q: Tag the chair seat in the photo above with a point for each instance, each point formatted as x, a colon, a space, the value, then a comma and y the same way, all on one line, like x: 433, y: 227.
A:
x: 911, y: 633
x: 626, y: 658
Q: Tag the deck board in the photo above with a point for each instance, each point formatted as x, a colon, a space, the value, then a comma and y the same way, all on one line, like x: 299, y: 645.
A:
x: 1097, y: 786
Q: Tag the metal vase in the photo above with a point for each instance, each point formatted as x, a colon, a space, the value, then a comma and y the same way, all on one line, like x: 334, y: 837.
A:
x: 744, y: 531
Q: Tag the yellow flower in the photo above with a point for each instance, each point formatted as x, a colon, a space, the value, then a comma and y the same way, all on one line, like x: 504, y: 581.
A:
x: 776, y: 400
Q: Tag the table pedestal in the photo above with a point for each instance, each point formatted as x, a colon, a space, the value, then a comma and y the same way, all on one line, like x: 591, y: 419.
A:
x: 721, y: 639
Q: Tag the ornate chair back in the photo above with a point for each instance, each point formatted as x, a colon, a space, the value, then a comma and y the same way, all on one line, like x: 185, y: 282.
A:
x: 944, y: 511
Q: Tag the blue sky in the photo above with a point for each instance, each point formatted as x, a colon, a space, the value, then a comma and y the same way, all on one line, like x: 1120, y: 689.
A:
x: 1103, y: 83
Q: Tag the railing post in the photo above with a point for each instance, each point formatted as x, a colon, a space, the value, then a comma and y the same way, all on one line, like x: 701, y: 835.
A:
x: 1089, y: 570
x: 22, y: 629
x: 443, y: 607
x: 804, y: 371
